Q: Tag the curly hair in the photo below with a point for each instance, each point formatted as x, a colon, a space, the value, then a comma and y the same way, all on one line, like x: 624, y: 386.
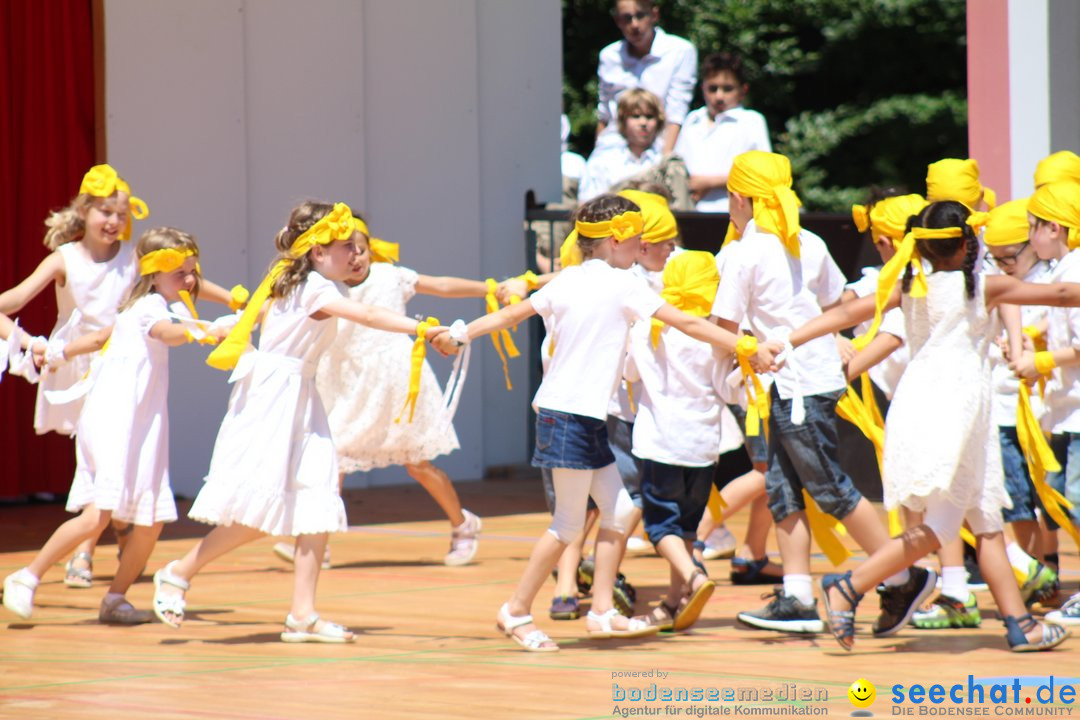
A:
x: 302, y: 217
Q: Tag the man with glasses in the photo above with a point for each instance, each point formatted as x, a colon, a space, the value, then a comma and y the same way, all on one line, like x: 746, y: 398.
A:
x: 646, y: 57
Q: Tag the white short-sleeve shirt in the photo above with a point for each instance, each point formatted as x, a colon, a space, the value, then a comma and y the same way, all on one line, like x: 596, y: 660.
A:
x: 288, y: 328
x: 1063, y: 388
x: 669, y: 71
x: 612, y: 164
x: 1006, y: 385
x: 591, y: 306
x: 887, y: 373
x: 765, y: 288
x: 710, y: 146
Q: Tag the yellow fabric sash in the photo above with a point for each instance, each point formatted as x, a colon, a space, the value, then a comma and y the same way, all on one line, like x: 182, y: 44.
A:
x: 1059, y: 202
x: 766, y: 178
x: 716, y: 504
x: 1040, y: 460
x: 381, y: 250
x: 888, y: 217
x: 163, y: 260
x: 1008, y: 224
x: 658, y: 222
x: 621, y: 227
x: 531, y: 282
x: 1063, y: 165
x: 826, y: 531
x: 757, y: 400
x: 416, y: 365
x: 955, y: 179
x: 238, y: 297
x: 185, y: 297
x: 335, y: 225
x: 502, y: 336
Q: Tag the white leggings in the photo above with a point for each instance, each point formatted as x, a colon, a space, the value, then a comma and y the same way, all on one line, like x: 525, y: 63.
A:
x: 945, y: 517
x: 572, y: 491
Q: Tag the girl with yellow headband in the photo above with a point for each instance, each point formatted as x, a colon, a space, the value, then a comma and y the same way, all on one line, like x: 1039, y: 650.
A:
x: 274, y: 469
x: 941, y: 452
x: 593, y: 306
x: 123, y: 430
x: 362, y: 423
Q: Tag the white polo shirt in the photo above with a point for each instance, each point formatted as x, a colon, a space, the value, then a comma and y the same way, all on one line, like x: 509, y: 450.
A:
x: 669, y: 71
x: 763, y: 287
x: 1063, y: 388
x: 610, y: 165
x: 1006, y: 385
x: 887, y: 373
x: 710, y: 146
x: 592, y: 307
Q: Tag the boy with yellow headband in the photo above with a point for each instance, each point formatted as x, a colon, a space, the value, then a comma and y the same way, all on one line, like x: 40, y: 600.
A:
x: 775, y: 277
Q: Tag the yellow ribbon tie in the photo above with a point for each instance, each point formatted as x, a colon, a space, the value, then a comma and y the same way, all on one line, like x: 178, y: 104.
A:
x: 861, y: 216
x: 163, y: 260
x: 502, y: 336
x: 102, y: 181
x: 1040, y: 460
x: 238, y: 297
x: 716, y: 504
x: 335, y: 225
x: 621, y: 227
x: 826, y: 531
x: 1044, y: 362
x: 531, y: 282
x: 757, y: 400
x: 416, y: 365
x: 185, y: 297
x: 384, y: 251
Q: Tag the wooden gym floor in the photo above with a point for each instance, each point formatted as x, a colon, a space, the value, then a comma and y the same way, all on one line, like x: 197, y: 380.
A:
x: 426, y: 646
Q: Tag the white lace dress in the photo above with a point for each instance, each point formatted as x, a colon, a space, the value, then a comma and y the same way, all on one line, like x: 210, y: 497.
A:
x: 939, y: 433
x: 364, y: 379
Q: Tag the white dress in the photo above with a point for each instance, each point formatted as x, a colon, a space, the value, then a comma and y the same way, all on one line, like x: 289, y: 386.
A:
x: 363, y: 380
x: 87, y: 301
x: 274, y: 466
x: 122, y: 437
x: 939, y: 433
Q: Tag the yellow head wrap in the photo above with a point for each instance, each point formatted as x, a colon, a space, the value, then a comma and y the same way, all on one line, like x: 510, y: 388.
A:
x: 888, y: 217
x: 164, y: 260
x: 621, y: 227
x: 690, y: 280
x: 1064, y: 165
x: 765, y: 177
x: 102, y: 181
x: 953, y: 179
x: 1059, y: 202
x: 658, y: 220
x: 1008, y: 224
x: 335, y: 225
x: 381, y: 250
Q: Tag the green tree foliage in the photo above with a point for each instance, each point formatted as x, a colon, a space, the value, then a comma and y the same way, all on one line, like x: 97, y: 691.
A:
x: 856, y: 92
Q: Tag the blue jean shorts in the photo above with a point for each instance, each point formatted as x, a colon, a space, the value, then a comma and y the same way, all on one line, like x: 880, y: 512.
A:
x: 620, y: 438
x: 1017, y: 479
x: 756, y: 447
x: 1066, y: 449
x: 804, y: 456
x: 575, y: 442
x: 674, y: 498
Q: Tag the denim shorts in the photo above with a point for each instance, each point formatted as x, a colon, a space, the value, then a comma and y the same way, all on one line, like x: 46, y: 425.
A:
x: 620, y: 438
x: 1017, y: 479
x: 804, y: 456
x: 756, y: 447
x: 675, y: 499
x: 1066, y: 449
x: 575, y: 442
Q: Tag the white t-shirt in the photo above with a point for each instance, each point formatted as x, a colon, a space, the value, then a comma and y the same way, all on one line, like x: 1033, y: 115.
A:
x: 1006, y: 385
x: 1063, y: 388
x: 678, y: 418
x: 886, y: 374
x: 621, y: 405
x: 773, y: 293
x: 573, y: 165
x: 710, y: 146
x: 591, y: 306
x: 612, y: 164
x: 669, y: 71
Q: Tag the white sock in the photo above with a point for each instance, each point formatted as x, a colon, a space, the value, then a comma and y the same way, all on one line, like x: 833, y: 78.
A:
x: 1019, y: 559
x: 28, y: 577
x: 898, y: 579
x: 799, y: 587
x: 954, y: 583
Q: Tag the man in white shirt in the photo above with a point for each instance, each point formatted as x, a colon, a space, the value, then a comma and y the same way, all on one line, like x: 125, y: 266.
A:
x: 712, y: 136
x: 647, y: 57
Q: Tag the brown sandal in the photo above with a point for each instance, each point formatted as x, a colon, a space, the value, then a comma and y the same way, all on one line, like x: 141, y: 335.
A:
x: 695, y: 602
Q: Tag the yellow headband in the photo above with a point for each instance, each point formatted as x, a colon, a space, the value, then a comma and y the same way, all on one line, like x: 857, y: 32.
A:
x: 765, y: 178
x: 335, y: 225
x: 1008, y: 224
x: 658, y: 222
x: 1064, y: 165
x: 163, y: 260
x: 381, y: 250
x: 888, y: 217
x: 690, y: 282
x: 1059, y: 202
x: 954, y: 179
x: 621, y: 227
x: 102, y: 181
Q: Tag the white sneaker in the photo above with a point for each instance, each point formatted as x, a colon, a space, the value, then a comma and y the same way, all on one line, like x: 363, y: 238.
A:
x: 1069, y: 614
x: 287, y: 552
x: 464, y: 540
x: 719, y: 544
x: 19, y: 593
x: 637, y: 544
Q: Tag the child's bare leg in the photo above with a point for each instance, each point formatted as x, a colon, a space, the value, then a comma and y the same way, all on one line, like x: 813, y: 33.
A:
x: 998, y: 573
x: 757, y: 529
x: 217, y: 542
x: 137, y: 549
x: 892, y: 557
x: 1029, y: 537
x: 793, y: 537
x: 88, y: 524
x: 677, y: 552
x: 866, y: 527
x: 438, y: 485
x: 741, y: 491
x: 545, y: 554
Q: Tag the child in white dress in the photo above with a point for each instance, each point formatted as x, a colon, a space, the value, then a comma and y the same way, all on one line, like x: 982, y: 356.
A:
x: 941, y: 448
x: 274, y: 468
x: 122, y: 433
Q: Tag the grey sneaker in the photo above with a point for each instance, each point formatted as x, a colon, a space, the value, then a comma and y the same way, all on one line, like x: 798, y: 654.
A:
x: 1068, y: 614
x: 464, y: 540
x: 784, y: 613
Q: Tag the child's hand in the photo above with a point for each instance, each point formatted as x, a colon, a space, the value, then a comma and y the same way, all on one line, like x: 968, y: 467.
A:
x: 217, y: 332
x: 1003, y: 346
x: 846, y: 348
x: 514, y: 287
x: 764, y: 360
x: 1024, y: 366
x: 440, y: 339
x: 38, y: 350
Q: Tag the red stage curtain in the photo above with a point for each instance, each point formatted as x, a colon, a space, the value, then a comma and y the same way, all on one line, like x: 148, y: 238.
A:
x: 46, y: 144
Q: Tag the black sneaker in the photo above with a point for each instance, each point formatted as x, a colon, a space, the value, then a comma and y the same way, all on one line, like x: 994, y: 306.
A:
x: 784, y: 613
x: 624, y: 596
x: 899, y: 602
x: 585, y: 570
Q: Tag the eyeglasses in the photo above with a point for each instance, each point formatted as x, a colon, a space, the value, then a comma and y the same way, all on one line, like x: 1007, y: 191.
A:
x: 627, y: 18
x: 1006, y: 261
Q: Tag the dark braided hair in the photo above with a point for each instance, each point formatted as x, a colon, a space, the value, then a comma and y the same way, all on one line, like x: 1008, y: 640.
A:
x: 945, y: 214
x: 600, y: 208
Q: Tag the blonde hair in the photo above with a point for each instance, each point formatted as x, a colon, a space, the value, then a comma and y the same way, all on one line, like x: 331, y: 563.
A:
x: 159, y: 239
x: 302, y: 217
x: 69, y: 224
x: 640, y: 100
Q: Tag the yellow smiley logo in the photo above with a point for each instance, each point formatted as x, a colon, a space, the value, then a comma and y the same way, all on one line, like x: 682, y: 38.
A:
x: 862, y: 693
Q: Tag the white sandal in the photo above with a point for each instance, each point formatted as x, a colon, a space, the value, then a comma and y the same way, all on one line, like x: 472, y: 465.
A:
x: 19, y: 594
x: 169, y: 603
x: 297, y: 631
x: 533, y: 642
x: 79, y: 577
x: 635, y: 627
